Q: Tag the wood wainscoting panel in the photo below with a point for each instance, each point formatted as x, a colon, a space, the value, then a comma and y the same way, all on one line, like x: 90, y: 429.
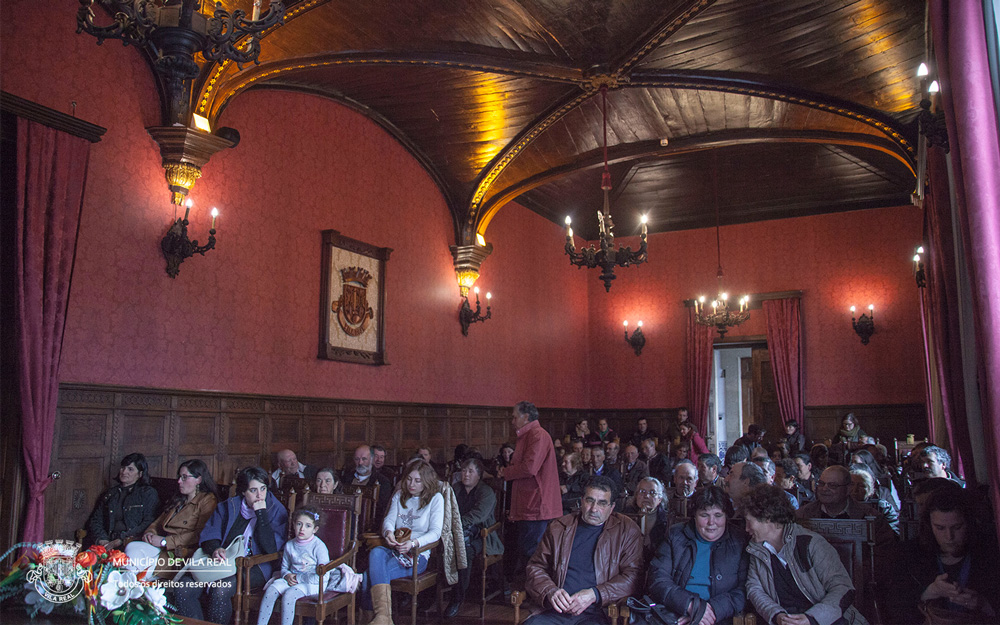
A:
x: 882, y: 421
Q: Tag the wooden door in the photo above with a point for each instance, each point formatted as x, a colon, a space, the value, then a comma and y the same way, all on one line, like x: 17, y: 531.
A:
x: 765, y: 397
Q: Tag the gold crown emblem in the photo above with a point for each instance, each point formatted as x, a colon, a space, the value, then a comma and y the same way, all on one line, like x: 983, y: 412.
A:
x: 356, y: 274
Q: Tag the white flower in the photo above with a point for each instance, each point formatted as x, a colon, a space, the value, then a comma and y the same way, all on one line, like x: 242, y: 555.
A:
x: 157, y: 597
x: 40, y: 603
x: 120, y: 587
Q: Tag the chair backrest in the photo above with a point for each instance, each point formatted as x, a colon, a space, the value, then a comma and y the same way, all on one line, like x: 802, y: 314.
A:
x: 503, y: 497
x: 340, y: 520
x: 854, y: 540
x: 166, y: 488
x: 368, y: 496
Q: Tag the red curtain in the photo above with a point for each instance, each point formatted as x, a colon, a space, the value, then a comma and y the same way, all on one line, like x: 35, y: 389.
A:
x: 964, y: 66
x: 941, y: 305
x: 698, y: 370
x: 784, y: 343
x: 51, y: 170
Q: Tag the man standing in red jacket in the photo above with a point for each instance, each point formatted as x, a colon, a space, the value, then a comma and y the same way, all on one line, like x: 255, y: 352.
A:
x: 534, y: 477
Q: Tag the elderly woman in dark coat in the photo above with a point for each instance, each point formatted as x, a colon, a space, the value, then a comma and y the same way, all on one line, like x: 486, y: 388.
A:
x: 126, y: 509
x: 700, y: 569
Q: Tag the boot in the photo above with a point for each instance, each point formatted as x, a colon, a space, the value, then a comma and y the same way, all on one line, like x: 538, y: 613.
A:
x: 382, y: 599
x: 458, y: 593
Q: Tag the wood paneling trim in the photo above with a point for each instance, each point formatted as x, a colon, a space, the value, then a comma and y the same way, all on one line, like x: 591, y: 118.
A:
x: 52, y: 118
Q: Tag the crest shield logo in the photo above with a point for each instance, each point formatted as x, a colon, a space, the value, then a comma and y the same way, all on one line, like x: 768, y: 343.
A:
x: 353, y: 312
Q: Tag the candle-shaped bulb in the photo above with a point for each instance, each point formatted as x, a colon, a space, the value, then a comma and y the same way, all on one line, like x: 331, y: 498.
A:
x: 916, y: 258
x: 625, y: 323
x: 920, y: 250
x: 475, y: 290
x: 640, y: 323
x: 871, y: 307
x: 934, y: 88
x: 853, y: 309
x: 215, y: 213
x: 725, y: 297
x: 702, y: 299
x: 922, y: 70
x: 187, y: 208
x: 568, y: 220
x: 644, y: 219
x: 489, y: 296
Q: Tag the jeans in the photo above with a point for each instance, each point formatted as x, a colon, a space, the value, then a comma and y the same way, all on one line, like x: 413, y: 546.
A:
x: 529, y: 534
x: 383, y: 567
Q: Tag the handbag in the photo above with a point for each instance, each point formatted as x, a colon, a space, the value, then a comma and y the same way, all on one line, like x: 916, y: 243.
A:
x: 205, y: 569
x: 402, y: 534
x: 645, y: 611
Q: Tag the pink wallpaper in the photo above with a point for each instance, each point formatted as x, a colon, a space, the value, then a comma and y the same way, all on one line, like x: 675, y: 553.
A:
x: 244, y: 317
x: 837, y: 260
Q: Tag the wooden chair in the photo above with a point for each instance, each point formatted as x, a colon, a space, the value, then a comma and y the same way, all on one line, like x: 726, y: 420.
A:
x: 418, y: 582
x: 339, y: 533
x: 368, y: 523
x: 903, y: 448
x: 486, y: 561
x: 292, y: 488
x: 854, y: 540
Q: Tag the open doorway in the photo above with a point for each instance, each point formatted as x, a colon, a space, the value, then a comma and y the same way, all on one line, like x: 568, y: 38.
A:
x: 742, y: 392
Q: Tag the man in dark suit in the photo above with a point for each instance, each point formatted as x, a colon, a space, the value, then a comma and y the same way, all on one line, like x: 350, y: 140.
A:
x: 362, y: 473
x: 288, y: 464
x: 600, y: 467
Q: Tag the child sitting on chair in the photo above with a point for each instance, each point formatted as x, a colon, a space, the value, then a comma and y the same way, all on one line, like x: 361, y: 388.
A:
x: 298, y: 568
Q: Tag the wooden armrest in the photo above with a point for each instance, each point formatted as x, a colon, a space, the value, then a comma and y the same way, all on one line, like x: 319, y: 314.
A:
x: 517, y: 598
x: 486, y: 531
x: 424, y: 548
x: 323, y: 569
x: 251, y: 561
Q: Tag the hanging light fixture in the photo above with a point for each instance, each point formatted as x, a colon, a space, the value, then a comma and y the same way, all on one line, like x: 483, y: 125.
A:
x: 607, y: 256
x: 722, y: 317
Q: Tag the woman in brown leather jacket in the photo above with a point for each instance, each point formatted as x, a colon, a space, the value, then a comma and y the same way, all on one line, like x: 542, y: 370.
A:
x: 176, y: 531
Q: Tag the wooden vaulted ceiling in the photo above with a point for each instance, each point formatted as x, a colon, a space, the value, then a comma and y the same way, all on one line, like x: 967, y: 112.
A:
x: 765, y: 109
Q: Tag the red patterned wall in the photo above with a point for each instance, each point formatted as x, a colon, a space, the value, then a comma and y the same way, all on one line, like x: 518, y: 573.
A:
x: 837, y: 260
x: 244, y: 317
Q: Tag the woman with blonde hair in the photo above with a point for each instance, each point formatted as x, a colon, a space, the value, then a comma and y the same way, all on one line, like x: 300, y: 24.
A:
x: 417, y: 507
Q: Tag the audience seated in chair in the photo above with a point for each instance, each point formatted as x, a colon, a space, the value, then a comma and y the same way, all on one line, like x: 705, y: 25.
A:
x: 709, y: 467
x: 833, y: 501
x: 124, y: 511
x: 256, y: 515
x: 795, y: 576
x: 586, y: 561
x: 178, y: 529
x: 599, y: 466
x: 700, y: 569
x: 326, y: 482
x: 289, y: 465
x: 633, y: 469
x: 739, y: 480
x: 863, y: 491
x: 648, y: 509
x: 949, y: 574
x: 362, y: 474
x: 936, y: 462
x: 572, y: 480
x: 418, y: 507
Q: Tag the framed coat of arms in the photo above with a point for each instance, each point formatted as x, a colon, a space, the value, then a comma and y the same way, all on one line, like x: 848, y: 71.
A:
x: 352, y: 300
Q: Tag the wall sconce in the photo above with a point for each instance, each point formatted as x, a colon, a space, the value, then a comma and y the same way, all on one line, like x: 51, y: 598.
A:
x: 865, y: 326
x: 467, y: 317
x: 637, y: 340
x: 177, y: 247
x: 918, y: 267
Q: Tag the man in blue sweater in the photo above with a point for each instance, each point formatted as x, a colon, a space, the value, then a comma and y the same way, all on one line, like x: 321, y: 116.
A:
x: 586, y: 561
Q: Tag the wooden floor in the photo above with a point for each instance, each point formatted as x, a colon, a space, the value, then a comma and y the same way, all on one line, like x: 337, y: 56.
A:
x: 496, y: 614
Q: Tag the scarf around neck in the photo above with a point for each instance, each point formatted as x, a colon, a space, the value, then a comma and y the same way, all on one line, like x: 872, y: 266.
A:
x: 248, y: 513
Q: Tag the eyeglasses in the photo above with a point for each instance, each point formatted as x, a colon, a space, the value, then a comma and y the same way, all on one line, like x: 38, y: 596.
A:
x: 643, y: 491
x: 822, y: 484
x: 185, y: 477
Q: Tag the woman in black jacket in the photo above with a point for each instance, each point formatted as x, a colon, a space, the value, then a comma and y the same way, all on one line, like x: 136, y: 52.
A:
x: 700, y: 569
x: 125, y: 510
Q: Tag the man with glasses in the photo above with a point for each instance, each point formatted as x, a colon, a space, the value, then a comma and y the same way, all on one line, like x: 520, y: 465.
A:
x: 586, y: 561
x: 833, y: 501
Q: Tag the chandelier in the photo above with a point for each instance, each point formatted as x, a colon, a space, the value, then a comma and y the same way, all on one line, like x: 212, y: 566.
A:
x: 607, y: 257
x: 723, y: 315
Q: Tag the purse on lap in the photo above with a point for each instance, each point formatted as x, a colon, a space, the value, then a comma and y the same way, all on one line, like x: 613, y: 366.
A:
x: 205, y: 569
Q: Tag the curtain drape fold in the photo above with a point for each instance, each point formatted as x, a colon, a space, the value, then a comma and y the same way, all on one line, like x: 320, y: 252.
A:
x: 51, y: 172
x: 698, y: 370
x: 784, y: 343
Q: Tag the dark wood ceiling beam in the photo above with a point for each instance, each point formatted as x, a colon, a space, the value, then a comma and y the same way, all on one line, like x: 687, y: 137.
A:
x: 645, y: 150
x: 673, y: 22
x: 227, y: 90
x: 901, y: 134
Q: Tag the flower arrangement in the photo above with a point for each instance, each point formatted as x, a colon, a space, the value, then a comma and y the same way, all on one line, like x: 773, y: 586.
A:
x: 57, y: 575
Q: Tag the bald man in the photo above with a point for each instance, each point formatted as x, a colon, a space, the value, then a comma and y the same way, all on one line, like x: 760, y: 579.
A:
x: 288, y: 464
x: 362, y: 473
